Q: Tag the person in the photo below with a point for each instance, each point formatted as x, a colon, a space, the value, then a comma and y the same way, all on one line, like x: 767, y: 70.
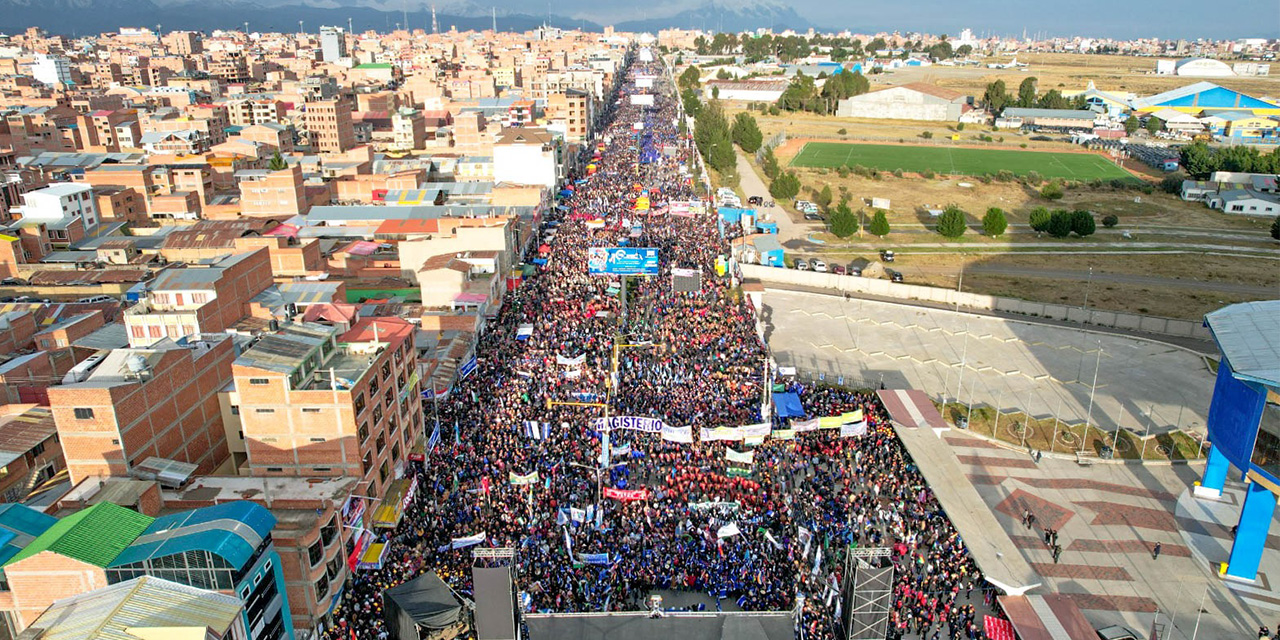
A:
x: 1057, y: 552
x: 1026, y: 518
x: 1155, y: 551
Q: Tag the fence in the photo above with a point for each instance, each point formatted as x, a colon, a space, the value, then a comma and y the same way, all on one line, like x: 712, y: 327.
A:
x: 776, y: 140
x: 872, y: 286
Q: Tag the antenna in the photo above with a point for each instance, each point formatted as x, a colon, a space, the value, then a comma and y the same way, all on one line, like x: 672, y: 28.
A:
x: 246, y: 27
x: 348, y: 24
x: 300, y: 29
x: 494, y: 13
x: 404, y: 8
x: 435, y: 28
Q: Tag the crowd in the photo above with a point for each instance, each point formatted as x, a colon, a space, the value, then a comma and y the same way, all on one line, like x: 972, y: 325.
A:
x: 751, y: 536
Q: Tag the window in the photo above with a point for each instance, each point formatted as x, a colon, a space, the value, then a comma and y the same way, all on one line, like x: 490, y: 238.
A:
x: 275, y: 469
x: 400, y: 380
x: 377, y: 414
x: 235, y: 409
x: 364, y: 432
x: 83, y: 413
x: 395, y: 452
x: 311, y: 409
x: 317, y: 439
x: 322, y: 588
x: 373, y: 385
x: 154, y: 332
x: 38, y: 449
x: 259, y: 381
x: 383, y: 471
x: 264, y: 410
x: 386, y: 370
x: 380, y: 443
x: 388, y: 399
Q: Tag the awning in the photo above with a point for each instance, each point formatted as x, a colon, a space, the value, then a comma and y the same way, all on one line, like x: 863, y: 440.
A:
x: 1047, y: 617
x: 391, y: 509
x: 911, y: 408
x: 471, y: 298
x: 373, y: 556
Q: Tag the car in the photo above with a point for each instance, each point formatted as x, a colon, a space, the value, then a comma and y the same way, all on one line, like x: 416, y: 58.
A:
x: 812, y: 216
x: 1117, y: 632
x: 855, y: 271
x: 838, y: 269
x: 819, y: 266
x: 801, y: 265
x: 886, y: 255
x: 755, y: 200
x: 95, y: 299
x: 894, y: 276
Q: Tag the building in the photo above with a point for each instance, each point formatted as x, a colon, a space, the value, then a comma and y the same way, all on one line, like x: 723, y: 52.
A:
x: 916, y: 101
x: 61, y: 205
x: 317, y: 402
x: 408, y: 130
x: 51, y: 69
x: 136, y: 404
x: 1205, y: 96
x: 1013, y: 117
x: 576, y: 110
x: 1245, y: 201
x: 245, y: 112
x: 746, y: 90
x: 30, y: 452
x: 528, y: 156
x: 1244, y: 427
x: 198, y: 299
x: 280, y: 194
x: 1194, y: 68
x: 329, y: 122
x: 142, y: 608
x: 333, y: 44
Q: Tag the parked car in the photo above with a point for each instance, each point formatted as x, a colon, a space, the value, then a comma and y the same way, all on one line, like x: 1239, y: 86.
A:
x: 755, y: 200
x: 812, y: 216
x: 94, y: 299
x: 894, y: 276
x: 856, y: 267
x: 886, y: 255
x: 838, y: 269
x: 855, y: 271
x: 819, y: 266
x: 1117, y: 632
x: 801, y: 265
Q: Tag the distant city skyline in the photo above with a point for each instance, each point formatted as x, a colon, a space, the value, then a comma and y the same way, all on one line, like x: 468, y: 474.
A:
x: 1168, y: 19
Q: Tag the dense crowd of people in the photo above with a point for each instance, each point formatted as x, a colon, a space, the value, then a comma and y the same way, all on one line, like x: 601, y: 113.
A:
x: 757, y: 535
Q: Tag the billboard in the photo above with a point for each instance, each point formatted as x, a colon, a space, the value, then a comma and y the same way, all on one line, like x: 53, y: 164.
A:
x: 622, y: 261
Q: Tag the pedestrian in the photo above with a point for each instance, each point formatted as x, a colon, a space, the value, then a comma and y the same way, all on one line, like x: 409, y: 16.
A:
x: 1048, y: 537
x: 1026, y: 518
x: 1031, y: 520
x: 1057, y: 552
x: 1155, y: 552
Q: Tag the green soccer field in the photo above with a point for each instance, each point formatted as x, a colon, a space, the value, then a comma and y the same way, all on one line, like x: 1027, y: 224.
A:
x: 958, y: 160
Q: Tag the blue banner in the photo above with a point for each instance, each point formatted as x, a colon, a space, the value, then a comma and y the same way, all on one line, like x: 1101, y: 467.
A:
x: 622, y: 261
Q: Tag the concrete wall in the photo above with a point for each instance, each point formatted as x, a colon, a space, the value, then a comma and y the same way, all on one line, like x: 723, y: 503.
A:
x: 876, y: 287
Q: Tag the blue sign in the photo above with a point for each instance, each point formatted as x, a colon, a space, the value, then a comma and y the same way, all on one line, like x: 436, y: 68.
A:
x: 622, y: 261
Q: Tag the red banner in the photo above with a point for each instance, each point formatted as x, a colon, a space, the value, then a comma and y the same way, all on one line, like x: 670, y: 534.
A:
x: 626, y: 495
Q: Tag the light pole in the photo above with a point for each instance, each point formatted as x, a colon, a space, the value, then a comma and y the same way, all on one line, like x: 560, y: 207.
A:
x: 1088, y: 416
x: 1199, y: 611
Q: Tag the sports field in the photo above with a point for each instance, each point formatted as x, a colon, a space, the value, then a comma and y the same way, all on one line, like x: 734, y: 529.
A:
x: 958, y: 160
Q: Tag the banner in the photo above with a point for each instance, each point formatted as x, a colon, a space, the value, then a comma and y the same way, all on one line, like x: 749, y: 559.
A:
x: 571, y: 362
x: 577, y: 515
x: 469, y: 541
x: 734, y: 472
x: 520, y: 480
x: 622, y: 261
x: 804, y: 537
x: 753, y: 441
x: 773, y: 541
x: 697, y: 506
x: 783, y: 434
x: 626, y: 495
x: 624, y: 450
x: 468, y: 367
x: 719, y: 433
x: 677, y: 434
x: 537, y: 430
x: 853, y: 430
x: 647, y: 425
x: 593, y: 558
x: 741, y: 458
x: 834, y: 422
x: 728, y: 531
x: 802, y: 426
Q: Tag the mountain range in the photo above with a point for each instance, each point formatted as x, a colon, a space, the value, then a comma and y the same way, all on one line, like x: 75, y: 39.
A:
x: 80, y: 17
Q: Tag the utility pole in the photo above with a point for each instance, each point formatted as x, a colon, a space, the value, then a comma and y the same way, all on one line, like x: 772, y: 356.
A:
x: 435, y: 27
x: 494, y: 14
x: 1088, y: 416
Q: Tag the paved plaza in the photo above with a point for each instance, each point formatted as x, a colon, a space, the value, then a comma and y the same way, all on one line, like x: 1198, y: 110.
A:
x: 1014, y: 365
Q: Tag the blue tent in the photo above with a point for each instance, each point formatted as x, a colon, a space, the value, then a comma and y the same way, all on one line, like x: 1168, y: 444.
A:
x: 787, y: 405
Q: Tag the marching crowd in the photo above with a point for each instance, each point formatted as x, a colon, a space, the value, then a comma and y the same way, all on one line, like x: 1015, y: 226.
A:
x: 756, y: 535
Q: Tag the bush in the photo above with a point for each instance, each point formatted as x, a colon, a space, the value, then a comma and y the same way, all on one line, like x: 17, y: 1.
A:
x: 860, y: 170
x: 842, y: 131
x: 1059, y: 224
x: 960, y: 126
x: 842, y: 171
x: 994, y: 222
x: 985, y: 178
x: 785, y: 187
x: 1040, y: 219
x: 927, y: 174
x: 1052, y: 191
x: 951, y: 223
x: 843, y: 222
x: 1147, y: 189
x: 879, y: 225
x: 897, y: 173
x: 927, y: 135
x: 1082, y: 223
x: 1034, y: 178
x: 1110, y: 221
x: 1172, y: 183
x: 1004, y: 175
x: 1275, y: 229
x: 1023, y: 145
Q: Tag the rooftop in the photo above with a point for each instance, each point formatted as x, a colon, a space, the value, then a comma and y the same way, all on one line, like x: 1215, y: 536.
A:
x: 288, y: 349
x: 94, y: 536
x: 145, y: 607
x: 210, y: 489
x: 1248, y: 334
x: 232, y: 530
x: 21, y: 432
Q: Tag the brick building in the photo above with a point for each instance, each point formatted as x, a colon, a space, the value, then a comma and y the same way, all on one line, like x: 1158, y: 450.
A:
x: 329, y: 122
x: 198, y: 299
x: 29, y: 450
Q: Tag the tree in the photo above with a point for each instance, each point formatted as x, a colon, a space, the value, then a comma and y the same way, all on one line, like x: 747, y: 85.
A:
x: 996, y: 96
x: 964, y: 50
x: 746, y: 133
x: 692, y: 104
x: 770, y: 164
x: 711, y: 136
x: 1131, y: 125
x: 715, y: 92
x: 843, y: 222
x: 1198, y: 160
x: 951, y: 223
x: 1275, y: 228
x: 785, y: 186
x: 277, y: 163
x: 1040, y: 219
x: 1110, y: 221
x: 690, y: 78
x: 1154, y: 125
x: 1052, y: 191
x: 994, y: 223
x: 1082, y: 223
x: 824, y: 197
x: 723, y: 74
x: 1059, y: 224
x: 879, y: 224
x: 1027, y: 92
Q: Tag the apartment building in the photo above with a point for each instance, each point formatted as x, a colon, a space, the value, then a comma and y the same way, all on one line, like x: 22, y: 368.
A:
x: 248, y: 111
x: 139, y: 403
x: 275, y: 137
x: 315, y: 401
x: 573, y: 110
x: 29, y: 450
x: 61, y: 213
x: 279, y: 194
x: 329, y: 122
x: 408, y: 130
x: 528, y: 156
x: 198, y: 299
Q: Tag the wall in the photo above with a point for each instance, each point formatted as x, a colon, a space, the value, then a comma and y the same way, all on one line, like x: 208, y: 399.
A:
x: 873, y: 286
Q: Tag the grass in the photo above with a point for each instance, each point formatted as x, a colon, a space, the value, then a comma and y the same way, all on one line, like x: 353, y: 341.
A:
x: 958, y: 160
x: 1049, y: 435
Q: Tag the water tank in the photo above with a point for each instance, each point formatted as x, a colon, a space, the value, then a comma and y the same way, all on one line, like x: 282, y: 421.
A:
x: 137, y: 364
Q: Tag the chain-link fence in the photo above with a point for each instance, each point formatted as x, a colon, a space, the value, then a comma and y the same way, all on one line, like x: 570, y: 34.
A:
x: 774, y: 141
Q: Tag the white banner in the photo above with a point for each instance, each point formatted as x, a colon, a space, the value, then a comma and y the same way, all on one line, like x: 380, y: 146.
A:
x: 469, y: 541
x: 520, y: 480
x: 571, y: 362
x: 805, y: 425
x: 728, y: 531
x: 647, y: 425
x: 624, y: 450
x: 741, y: 458
x: 677, y: 434
x: 853, y: 430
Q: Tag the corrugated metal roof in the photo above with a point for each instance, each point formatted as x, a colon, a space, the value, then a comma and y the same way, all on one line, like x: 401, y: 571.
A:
x: 111, y: 612
x: 95, y: 535
x: 1248, y: 334
x: 232, y: 530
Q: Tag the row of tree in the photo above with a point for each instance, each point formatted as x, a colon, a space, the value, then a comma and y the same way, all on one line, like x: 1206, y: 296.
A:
x: 997, y: 97
x: 845, y: 223
x: 1199, y: 160
x: 788, y: 48
x: 1061, y: 223
x: 803, y: 93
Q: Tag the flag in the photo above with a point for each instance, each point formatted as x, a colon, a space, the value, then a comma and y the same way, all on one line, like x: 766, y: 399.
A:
x: 728, y: 530
x: 434, y: 439
x: 484, y: 484
x: 537, y: 430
